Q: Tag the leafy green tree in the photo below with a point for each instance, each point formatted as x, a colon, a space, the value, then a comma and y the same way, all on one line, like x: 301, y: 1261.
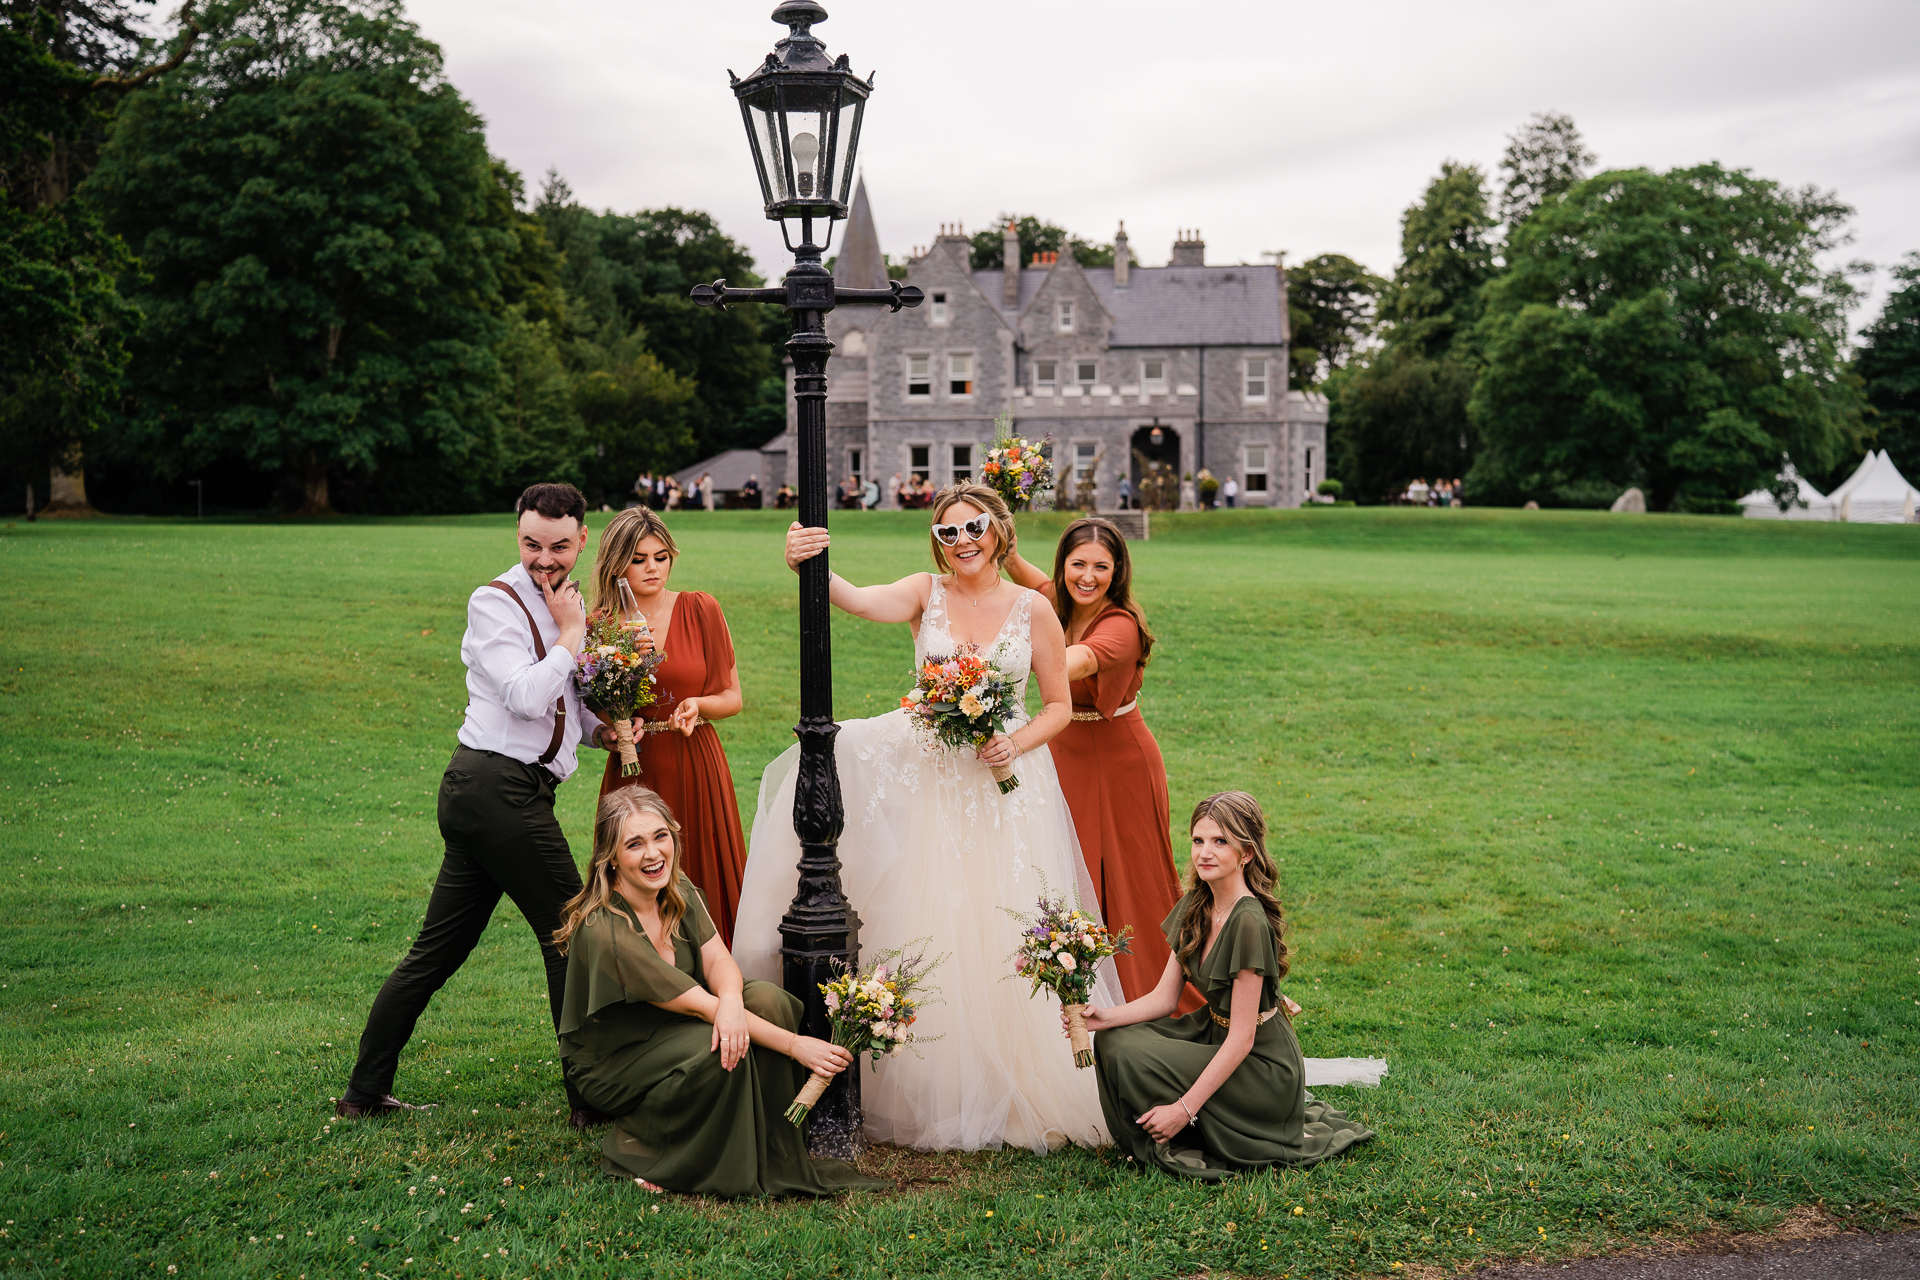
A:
x: 1331, y: 301
x: 319, y: 217
x: 1673, y: 331
x: 628, y: 271
x: 1402, y: 412
x: 1889, y: 364
x: 986, y: 250
x: 1543, y: 161
x: 636, y: 414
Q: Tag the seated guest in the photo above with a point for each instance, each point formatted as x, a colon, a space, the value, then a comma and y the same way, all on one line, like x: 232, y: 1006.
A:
x: 1223, y: 1088
x: 750, y: 493
x: 696, y: 1066
x: 784, y: 497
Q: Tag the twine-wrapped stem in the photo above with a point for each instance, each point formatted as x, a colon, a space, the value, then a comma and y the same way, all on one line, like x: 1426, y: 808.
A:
x: 809, y: 1094
x: 1077, y: 1033
x: 629, y: 759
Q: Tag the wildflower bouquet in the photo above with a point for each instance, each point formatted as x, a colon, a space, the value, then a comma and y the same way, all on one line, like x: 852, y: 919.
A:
x: 1059, y: 948
x: 871, y: 1013
x: 614, y: 678
x: 962, y: 701
x: 1016, y: 468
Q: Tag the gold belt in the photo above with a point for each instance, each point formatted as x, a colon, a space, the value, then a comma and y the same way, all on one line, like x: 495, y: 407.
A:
x: 1265, y: 1018
x: 1095, y: 715
x: 665, y: 726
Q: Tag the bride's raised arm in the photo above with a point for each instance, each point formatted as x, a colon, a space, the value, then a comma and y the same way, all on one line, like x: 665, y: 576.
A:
x: 899, y: 601
x: 1050, y: 671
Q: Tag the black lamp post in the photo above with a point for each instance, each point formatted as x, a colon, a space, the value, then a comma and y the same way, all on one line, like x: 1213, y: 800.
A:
x: 802, y: 115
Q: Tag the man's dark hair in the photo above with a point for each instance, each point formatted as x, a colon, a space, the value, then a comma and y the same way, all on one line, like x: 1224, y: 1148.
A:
x: 554, y: 501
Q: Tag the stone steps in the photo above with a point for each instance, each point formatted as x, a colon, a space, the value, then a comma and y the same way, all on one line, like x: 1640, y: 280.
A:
x: 1132, y: 524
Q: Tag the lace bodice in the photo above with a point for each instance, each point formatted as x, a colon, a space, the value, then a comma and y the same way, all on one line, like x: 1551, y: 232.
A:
x: 1011, y: 650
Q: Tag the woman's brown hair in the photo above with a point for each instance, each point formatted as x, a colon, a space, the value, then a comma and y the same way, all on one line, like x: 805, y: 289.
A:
x: 624, y: 533
x: 1119, y: 590
x: 1245, y: 827
x: 976, y: 495
x: 615, y: 808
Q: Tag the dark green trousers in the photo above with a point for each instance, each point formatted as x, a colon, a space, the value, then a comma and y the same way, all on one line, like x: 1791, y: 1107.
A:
x: 496, y: 817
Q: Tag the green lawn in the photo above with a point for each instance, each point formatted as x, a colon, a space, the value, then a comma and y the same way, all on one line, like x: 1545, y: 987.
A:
x: 1600, y: 829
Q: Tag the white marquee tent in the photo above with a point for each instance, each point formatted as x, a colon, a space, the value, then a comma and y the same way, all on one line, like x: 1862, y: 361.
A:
x: 1813, y: 505
x: 1875, y: 494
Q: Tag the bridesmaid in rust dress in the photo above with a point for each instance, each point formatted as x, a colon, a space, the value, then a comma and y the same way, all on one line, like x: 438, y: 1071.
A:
x: 1110, y: 766
x: 699, y: 683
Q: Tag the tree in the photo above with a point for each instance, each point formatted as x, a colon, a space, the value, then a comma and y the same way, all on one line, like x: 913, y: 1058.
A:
x: 1889, y: 365
x: 636, y: 413
x: 1673, y: 331
x: 1544, y: 159
x: 1402, y: 413
x: 1331, y: 301
x: 322, y: 228
x: 629, y: 271
x: 986, y: 250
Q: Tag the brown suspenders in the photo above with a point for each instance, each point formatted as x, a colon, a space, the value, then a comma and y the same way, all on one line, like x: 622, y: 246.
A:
x: 540, y: 654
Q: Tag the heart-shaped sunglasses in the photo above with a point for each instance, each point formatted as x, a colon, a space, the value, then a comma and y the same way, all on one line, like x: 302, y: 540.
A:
x: 975, y: 529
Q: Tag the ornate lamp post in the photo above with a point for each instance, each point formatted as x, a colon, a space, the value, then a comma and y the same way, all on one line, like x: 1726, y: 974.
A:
x: 802, y: 114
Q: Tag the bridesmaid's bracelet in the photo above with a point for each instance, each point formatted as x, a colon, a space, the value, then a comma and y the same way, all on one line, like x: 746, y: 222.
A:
x: 1192, y: 1119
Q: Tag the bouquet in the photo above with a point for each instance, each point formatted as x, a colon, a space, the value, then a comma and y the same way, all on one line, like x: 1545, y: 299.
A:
x: 614, y: 678
x: 962, y: 701
x: 1016, y: 468
x: 871, y: 1012
x: 1058, y: 950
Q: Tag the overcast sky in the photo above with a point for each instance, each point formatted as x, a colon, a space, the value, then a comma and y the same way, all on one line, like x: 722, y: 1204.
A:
x: 1268, y: 126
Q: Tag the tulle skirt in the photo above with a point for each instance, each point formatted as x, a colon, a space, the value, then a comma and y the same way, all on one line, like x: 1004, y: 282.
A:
x: 932, y: 850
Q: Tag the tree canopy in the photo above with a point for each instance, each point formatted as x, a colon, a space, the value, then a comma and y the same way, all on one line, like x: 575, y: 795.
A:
x: 1543, y: 160
x: 1889, y: 367
x: 987, y: 249
x: 1674, y: 331
x: 1331, y: 305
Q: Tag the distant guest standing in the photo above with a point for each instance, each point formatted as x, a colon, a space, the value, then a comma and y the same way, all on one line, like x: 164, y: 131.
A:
x: 1230, y: 490
x: 524, y: 630
x: 750, y: 493
x: 699, y: 682
x: 1110, y: 767
x: 706, y: 490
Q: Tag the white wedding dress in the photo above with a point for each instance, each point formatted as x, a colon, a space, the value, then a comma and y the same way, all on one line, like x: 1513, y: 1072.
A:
x: 932, y: 850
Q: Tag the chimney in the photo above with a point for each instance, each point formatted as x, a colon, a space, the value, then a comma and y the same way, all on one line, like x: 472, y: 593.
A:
x: 1010, y: 257
x: 1189, y: 250
x: 1120, y: 259
x: 954, y: 240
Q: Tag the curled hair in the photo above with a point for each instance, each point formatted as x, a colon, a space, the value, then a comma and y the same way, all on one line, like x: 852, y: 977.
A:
x: 1245, y: 827
x: 611, y: 819
x: 1119, y: 590
x: 618, y: 543
x: 975, y: 495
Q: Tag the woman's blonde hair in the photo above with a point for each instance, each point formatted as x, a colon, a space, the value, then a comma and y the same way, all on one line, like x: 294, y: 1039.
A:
x: 615, y: 808
x: 1245, y: 827
x: 977, y: 495
x: 623, y: 534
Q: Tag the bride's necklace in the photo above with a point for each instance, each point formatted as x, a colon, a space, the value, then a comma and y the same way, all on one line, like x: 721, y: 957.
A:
x: 975, y: 602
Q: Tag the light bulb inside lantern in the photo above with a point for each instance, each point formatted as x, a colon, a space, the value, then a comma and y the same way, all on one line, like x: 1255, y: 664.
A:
x: 806, y: 150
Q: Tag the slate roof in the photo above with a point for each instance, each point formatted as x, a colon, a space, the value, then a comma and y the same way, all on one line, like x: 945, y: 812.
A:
x: 730, y: 469
x: 1171, y: 306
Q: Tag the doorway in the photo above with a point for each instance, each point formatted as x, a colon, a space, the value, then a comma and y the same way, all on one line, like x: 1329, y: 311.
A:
x: 1155, y: 467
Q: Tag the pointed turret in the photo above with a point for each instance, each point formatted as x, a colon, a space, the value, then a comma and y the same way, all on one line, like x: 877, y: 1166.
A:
x: 861, y: 264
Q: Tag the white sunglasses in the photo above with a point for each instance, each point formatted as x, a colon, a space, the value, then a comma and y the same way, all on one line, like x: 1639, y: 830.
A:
x: 975, y: 529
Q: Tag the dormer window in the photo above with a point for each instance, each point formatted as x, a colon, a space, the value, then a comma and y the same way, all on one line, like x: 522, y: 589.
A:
x: 940, y: 307
x: 1046, y: 373
x: 1063, y: 317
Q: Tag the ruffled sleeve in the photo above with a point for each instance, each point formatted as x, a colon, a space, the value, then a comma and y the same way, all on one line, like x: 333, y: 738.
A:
x: 1114, y: 638
x: 716, y: 642
x: 1246, y: 942
x: 609, y: 961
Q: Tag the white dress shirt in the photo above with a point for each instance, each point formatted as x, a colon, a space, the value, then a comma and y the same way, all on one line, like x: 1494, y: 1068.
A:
x: 510, y: 693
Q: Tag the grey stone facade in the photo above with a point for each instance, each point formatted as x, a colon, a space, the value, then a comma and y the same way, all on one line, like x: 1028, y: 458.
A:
x: 1072, y: 352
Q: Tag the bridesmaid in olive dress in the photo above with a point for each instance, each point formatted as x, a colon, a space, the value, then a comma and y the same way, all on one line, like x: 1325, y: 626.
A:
x: 1220, y: 1089
x: 658, y: 1030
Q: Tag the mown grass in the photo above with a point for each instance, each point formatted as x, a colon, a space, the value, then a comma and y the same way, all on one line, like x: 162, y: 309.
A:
x: 1601, y: 830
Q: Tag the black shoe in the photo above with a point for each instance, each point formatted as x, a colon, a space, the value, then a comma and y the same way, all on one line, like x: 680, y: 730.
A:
x: 588, y: 1118
x: 385, y: 1104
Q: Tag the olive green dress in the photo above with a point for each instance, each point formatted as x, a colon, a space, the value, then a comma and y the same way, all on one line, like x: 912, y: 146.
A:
x: 1263, y: 1114
x: 682, y: 1122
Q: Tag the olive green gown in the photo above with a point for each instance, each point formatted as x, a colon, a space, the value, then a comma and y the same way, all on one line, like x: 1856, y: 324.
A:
x: 1263, y: 1114
x: 681, y: 1121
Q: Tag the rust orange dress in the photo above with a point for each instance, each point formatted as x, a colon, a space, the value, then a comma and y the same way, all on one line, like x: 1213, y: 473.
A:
x: 691, y: 773
x: 1116, y: 785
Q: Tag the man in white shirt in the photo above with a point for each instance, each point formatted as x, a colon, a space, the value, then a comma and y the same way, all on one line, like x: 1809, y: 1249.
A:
x: 523, y: 726
x: 1231, y: 490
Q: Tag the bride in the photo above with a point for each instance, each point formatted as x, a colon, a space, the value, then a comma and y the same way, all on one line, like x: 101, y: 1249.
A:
x: 932, y: 849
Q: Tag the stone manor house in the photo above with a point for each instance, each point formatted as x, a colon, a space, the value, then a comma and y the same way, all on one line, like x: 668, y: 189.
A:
x: 1183, y: 364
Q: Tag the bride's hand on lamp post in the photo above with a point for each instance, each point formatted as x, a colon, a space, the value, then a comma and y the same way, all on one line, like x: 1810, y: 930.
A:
x: 804, y: 542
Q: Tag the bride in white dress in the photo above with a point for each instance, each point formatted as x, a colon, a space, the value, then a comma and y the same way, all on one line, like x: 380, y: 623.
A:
x: 932, y: 849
